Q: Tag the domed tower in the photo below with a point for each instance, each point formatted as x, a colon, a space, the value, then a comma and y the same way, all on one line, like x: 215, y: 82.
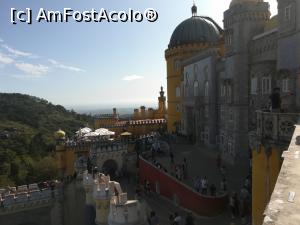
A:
x: 242, y: 21
x: 189, y: 38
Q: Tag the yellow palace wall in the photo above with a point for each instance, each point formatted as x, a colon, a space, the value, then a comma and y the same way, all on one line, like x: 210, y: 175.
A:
x: 174, y: 77
x: 265, y: 169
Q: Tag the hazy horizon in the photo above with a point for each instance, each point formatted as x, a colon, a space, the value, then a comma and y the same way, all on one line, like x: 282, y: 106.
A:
x: 75, y: 64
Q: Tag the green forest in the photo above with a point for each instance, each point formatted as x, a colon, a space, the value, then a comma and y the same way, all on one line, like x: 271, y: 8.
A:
x: 27, y: 127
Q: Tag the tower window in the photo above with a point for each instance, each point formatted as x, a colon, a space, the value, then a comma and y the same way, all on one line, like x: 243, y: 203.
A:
x: 287, y: 13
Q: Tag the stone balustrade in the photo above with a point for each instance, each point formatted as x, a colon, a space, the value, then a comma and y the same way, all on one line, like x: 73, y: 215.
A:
x: 278, y: 127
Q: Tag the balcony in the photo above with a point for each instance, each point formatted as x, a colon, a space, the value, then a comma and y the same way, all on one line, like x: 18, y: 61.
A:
x: 278, y: 127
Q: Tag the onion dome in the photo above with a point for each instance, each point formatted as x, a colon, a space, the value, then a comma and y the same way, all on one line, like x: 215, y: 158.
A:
x: 59, y: 134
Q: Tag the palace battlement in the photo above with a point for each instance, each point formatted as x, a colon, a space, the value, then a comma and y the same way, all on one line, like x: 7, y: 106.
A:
x: 104, y: 145
x: 26, y: 197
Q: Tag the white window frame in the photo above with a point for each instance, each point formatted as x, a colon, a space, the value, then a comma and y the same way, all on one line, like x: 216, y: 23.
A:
x: 286, y: 85
x: 254, y: 85
x: 229, y: 39
x: 266, y: 85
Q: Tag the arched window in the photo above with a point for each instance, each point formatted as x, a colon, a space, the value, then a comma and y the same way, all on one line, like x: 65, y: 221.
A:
x: 196, y: 89
x: 177, y: 65
x: 254, y: 85
x: 266, y: 85
x: 206, y: 89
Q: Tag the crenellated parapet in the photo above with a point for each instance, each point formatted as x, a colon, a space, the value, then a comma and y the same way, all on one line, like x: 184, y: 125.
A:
x: 27, y: 197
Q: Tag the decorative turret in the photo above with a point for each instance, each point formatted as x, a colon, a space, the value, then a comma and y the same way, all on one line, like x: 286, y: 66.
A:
x: 111, y: 203
x: 60, y: 136
x: 103, y: 191
x: 162, y: 103
x: 88, y: 184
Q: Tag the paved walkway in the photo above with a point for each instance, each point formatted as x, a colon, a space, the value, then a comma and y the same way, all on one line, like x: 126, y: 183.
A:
x: 202, y: 162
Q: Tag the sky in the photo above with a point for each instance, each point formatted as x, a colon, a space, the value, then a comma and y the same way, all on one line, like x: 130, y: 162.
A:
x: 93, y: 64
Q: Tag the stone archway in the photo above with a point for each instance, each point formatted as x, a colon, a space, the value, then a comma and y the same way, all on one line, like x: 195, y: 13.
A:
x: 110, y: 167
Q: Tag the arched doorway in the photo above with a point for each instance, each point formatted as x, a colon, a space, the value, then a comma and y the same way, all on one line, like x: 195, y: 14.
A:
x: 110, y: 167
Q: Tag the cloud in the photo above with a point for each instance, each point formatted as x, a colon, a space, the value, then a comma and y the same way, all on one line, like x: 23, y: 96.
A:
x: 1, y: 40
x: 32, y: 70
x: 62, y: 66
x: 4, y: 59
x: 16, y: 52
x: 132, y: 77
